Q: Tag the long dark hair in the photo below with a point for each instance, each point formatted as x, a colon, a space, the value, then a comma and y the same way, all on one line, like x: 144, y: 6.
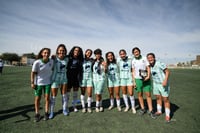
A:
x: 39, y: 56
x: 80, y: 54
x: 114, y: 59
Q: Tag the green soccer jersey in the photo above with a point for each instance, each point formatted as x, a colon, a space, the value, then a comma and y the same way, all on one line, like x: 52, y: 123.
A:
x: 113, y: 72
x: 98, y: 72
x: 125, y: 68
x: 87, y: 69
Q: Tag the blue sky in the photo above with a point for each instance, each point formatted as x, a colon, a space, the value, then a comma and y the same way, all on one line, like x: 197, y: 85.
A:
x: 169, y: 28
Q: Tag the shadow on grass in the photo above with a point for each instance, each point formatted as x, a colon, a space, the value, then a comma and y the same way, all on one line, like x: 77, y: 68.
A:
x: 21, y: 110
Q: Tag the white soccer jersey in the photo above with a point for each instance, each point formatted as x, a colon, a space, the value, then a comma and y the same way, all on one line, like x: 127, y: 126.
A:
x: 139, y: 64
x: 44, y: 72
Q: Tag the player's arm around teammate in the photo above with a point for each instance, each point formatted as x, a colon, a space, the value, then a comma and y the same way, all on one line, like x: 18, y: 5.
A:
x: 59, y: 79
x: 126, y: 81
x: 113, y: 80
x: 86, y: 82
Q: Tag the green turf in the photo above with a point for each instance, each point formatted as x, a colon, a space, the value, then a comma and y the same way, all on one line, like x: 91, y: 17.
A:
x: 17, y: 109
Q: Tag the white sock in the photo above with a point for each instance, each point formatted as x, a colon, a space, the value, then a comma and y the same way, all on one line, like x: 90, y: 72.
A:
x: 132, y: 99
x: 64, y: 98
x: 125, y: 100
x: 167, y: 112
x: 97, y: 104
x: 159, y: 108
x: 75, y: 97
x: 111, y: 102
x: 118, y: 102
x: 83, y: 101
x: 53, y: 101
x: 89, y: 100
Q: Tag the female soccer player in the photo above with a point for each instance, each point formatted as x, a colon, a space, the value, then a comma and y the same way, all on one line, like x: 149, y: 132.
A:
x: 99, y: 78
x: 41, y: 81
x: 141, y: 75
x: 126, y: 80
x: 161, y: 88
x: 86, y: 82
x: 74, y: 73
x: 59, y: 79
x: 113, y: 80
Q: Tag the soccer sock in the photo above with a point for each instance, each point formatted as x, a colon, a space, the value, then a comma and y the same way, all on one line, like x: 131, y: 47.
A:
x: 97, y: 104
x: 118, y: 102
x: 167, y: 112
x: 125, y: 100
x: 75, y: 96
x: 64, y: 98
x: 100, y: 103
x: 83, y: 101
x: 89, y: 100
x: 159, y: 108
x: 67, y: 99
x: 53, y: 100
x: 132, y: 99
x: 111, y: 102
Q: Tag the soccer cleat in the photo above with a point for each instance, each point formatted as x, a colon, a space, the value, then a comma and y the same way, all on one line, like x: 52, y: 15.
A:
x: 97, y: 109
x: 65, y: 112
x: 51, y: 115
x: 119, y: 108
x: 101, y: 109
x: 126, y: 109
x: 75, y: 109
x: 89, y: 110
x: 83, y: 110
x: 152, y: 114
x: 110, y: 107
x: 158, y: 113
x: 167, y: 119
x: 37, y: 118
x: 46, y: 117
x: 142, y: 112
x: 133, y: 110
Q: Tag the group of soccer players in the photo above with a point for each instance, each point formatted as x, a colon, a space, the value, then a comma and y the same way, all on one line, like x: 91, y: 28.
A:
x: 77, y: 70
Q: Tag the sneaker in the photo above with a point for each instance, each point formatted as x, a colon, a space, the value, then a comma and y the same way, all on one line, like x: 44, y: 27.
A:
x: 101, y: 109
x: 119, y: 108
x: 126, y: 109
x: 65, y: 112
x: 51, y: 115
x: 133, y: 110
x: 142, y: 112
x: 89, y: 110
x: 75, y: 109
x: 110, y: 107
x: 46, y: 117
x: 158, y: 113
x: 83, y: 110
x: 37, y: 118
x: 97, y: 109
x: 153, y: 115
x: 167, y: 119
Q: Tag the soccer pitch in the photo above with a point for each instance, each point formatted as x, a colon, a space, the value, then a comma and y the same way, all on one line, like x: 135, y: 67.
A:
x: 17, y: 109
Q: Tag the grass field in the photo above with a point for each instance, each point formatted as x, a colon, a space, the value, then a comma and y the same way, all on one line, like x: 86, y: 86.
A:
x: 17, y: 109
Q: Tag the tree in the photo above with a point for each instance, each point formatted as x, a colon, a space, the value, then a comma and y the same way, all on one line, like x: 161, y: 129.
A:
x: 10, y: 57
x: 30, y: 55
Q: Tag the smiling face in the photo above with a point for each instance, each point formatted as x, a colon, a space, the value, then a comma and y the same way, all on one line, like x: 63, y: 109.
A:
x: 88, y: 54
x: 136, y: 53
x: 110, y: 57
x: 61, y: 52
x: 122, y: 54
x: 76, y: 52
x: 151, y: 59
x: 45, y: 54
